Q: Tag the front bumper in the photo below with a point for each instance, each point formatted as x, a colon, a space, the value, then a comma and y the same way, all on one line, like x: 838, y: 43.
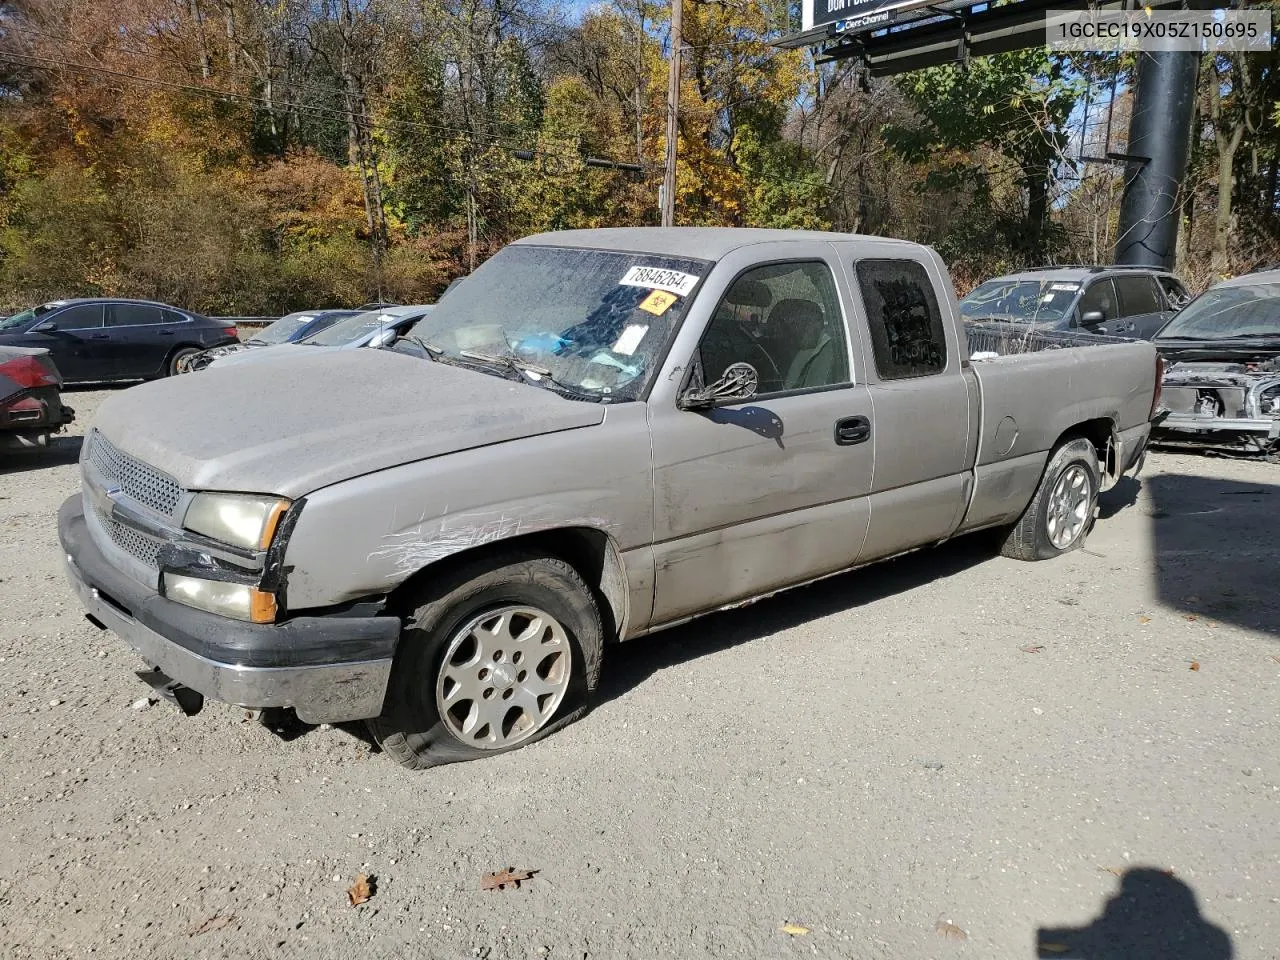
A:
x: 328, y: 668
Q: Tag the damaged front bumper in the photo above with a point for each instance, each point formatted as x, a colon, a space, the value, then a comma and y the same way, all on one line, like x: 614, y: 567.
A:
x: 1231, y: 406
x: 329, y: 669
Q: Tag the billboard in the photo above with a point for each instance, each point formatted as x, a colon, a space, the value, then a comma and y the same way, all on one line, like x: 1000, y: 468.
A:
x: 851, y: 16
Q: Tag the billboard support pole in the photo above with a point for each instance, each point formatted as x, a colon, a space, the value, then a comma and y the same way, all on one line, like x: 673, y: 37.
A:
x: 673, y: 115
x: 1159, y: 141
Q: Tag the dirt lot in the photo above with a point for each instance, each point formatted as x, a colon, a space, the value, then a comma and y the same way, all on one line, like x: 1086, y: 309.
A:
x: 951, y: 738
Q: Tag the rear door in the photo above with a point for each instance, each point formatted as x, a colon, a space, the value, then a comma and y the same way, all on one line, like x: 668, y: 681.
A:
x: 925, y: 407
x: 1142, y: 306
x: 76, y: 340
x: 139, y: 339
x: 754, y: 496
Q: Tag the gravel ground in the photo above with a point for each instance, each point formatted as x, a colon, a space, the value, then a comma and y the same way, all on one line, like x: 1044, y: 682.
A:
x: 883, y: 763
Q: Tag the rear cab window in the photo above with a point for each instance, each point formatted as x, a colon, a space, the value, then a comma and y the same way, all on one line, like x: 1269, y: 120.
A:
x: 908, y: 337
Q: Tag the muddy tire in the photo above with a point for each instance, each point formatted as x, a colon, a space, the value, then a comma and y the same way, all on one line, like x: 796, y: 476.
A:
x: 1062, y: 512
x: 495, y: 655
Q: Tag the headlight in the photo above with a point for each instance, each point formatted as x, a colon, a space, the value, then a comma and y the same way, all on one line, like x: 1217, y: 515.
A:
x: 242, y: 520
x: 238, y: 600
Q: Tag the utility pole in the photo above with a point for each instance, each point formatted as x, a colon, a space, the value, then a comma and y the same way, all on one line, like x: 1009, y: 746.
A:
x: 673, y: 115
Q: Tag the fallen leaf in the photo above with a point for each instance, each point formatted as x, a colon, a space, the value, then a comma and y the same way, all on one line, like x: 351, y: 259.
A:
x: 1055, y: 947
x: 950, y: 931
x: 794, y: 929
x: 1190, y: 616
x: 210, y: 924
x: 1144, y: 619
x: 1195, y: 664
x: 361, y: 890
x: 1031, y: 648
x: 510, y: 877
x: 1275, y: 658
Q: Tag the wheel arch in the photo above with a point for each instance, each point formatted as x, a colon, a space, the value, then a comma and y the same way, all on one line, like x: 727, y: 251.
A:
x: 592, y: 552
x: 1102, y: 433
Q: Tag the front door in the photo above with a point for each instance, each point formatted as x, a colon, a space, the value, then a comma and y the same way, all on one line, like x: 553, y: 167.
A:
x: 75, y: 339
x: 755, y: 496
x: 139, y: 339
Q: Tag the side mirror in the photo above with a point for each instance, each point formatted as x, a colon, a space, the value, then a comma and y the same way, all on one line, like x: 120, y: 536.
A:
x: 1091, y: 318
x: 384, y: 338
x: 740, y: 381
x: 47, y: 327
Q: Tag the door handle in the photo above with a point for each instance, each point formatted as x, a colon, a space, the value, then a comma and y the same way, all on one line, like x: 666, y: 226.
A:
x: 98, y: 336
x: 852, y: 430
x: 166, y: 333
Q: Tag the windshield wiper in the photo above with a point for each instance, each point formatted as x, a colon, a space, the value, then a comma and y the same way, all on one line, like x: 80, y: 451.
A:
x: 255, y: 342
x: 536, y: 374
x: 1253, y: 336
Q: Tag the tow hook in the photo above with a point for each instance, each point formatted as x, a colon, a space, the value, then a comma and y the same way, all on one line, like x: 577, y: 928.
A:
x: 189, y: 701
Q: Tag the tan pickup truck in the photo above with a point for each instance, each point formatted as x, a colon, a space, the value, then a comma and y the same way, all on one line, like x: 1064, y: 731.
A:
x: 597, y: 435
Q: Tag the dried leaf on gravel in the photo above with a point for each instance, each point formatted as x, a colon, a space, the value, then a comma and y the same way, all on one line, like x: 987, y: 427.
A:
x: 950, y: 931
x: 794, y: 929
x: 1054, y: 947
x: 1195, y: 664
x: 362, y: 890
x: 500, y: 880
x: 210, y: 924
x: 1275, y: 658
x: 1032, y: 648
x: 1114, y: 871
x: 1144, y: 619
x: 1190, y: 616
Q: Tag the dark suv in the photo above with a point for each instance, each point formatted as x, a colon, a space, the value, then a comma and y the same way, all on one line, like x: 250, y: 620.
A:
x: 95, y: 340
x: 1120, y: 301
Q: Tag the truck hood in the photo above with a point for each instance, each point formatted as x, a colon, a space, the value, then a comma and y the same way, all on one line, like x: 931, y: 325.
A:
x: 291, y: 427
x: 256, y: 354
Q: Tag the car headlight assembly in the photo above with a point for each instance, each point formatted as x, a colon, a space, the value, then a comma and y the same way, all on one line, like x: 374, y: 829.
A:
x: 242, y: 520
x: 240, y: 601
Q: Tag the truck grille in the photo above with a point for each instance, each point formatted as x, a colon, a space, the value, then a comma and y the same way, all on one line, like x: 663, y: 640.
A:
x: 137, y: 545
x: 136, y: 480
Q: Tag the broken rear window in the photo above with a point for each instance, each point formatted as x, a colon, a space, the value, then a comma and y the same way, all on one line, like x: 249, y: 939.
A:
x: 598, y: 320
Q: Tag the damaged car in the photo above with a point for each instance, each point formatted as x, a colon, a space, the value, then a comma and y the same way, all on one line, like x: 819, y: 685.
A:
x: 1222, y: 380
x: 31, y: 407
x: 288, y: 329
x: 606, y: 433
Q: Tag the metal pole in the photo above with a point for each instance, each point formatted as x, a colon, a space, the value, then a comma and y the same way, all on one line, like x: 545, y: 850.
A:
x: 1159, y: 141
x: 673, y: 114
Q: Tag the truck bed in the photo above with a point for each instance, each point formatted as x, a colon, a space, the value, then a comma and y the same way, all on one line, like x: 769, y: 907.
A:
x: 1009, y: 339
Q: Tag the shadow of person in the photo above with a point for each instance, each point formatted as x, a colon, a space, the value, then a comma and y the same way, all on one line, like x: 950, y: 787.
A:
x: 1153, y: 916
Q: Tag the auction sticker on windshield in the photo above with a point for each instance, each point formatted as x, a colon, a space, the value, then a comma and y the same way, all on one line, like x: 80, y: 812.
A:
x: 658, y: 302
x: 630, y: 339
x: 656, y: 278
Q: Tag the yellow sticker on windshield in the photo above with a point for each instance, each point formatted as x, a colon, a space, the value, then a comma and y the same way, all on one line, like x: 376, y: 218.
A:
x: 658, y: 302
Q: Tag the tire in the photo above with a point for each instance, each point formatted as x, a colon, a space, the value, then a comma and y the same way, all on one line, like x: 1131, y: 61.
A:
x: 1045, y: 529
x: 178, y: 355
x: 436, y: 645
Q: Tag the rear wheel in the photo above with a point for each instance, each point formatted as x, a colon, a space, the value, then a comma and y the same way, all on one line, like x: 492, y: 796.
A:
x: 494, y: 656
x: 1062, y: 512
x: 179, y: 358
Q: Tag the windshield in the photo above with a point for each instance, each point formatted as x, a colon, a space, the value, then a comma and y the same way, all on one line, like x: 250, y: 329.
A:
x: 283, y: 329
x: 1238, y: 311
x: 351, y: 329
x: 598, y: 321
x: 1023, y: 301
x: 20, y: 320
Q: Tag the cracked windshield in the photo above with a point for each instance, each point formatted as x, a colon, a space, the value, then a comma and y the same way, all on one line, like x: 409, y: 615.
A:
x: 592, y: 323
x: 1023, y: 301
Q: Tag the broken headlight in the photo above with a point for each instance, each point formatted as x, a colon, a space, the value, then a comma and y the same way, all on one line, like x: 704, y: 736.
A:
x: 242, y: 520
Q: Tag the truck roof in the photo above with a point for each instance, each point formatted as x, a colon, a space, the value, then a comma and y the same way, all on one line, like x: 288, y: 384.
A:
x: 705, y: 243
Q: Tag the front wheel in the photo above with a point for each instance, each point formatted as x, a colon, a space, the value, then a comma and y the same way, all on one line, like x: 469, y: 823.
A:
x: 494, y: 656
x: 1063, y: 509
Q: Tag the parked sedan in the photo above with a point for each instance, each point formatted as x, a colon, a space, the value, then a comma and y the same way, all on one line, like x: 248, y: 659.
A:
x: 95, y: 340
x: 374, y: 328
x: 288, y: 329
